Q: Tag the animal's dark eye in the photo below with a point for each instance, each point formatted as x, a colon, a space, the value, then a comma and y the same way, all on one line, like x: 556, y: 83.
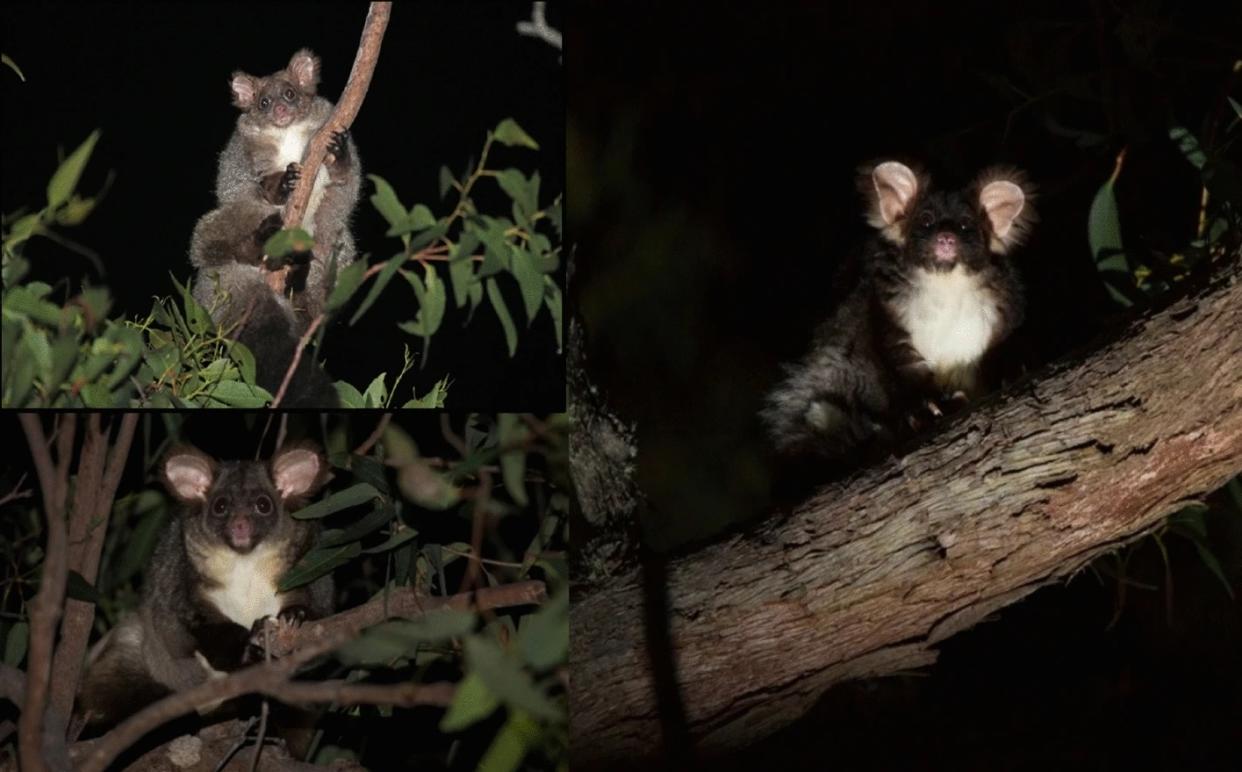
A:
x: 965, y: 226
x: 220, y: 505
x: 265, y: 103
x: 289, y: 94
x: 263, y: 505
x: 926, y: 220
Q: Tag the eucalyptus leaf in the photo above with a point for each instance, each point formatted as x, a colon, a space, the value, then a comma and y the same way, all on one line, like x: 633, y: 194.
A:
x: 544, y: 635
x: 317, y: 563
x: 386, y: 202
x: 350, y: 497
x: 505, y: 677
x: 513, y: 461
x: 65, y: 179
x: 347, y: 282
x: 381, y: 281
x: 510, y: 133
x: 472, y: 703
x: 502, y: 313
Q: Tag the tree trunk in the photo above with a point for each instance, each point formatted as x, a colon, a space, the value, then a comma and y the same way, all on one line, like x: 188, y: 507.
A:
x: 867, y: 576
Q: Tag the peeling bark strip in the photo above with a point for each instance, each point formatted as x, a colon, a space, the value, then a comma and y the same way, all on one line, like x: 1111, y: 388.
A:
x: 867, y: 576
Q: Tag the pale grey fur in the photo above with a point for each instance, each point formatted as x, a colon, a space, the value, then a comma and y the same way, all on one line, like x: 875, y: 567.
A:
x: 226, y: 248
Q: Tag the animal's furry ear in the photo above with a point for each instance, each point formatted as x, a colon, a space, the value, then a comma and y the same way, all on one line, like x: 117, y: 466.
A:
x: 304, y: 69
x: 188, y: 473
x: 890, y: 189
x: 1005, y: 195
x: 244, y: 88
x: 299, y: 470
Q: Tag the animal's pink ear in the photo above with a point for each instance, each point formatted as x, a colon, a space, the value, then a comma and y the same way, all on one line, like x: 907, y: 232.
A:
x: 245, y: 89
x: 895, y: 187
x: 890, y: 188
x: 304, y: 70
x: 1005, y: 196
x: 188, y: 473
x: 298, y: 471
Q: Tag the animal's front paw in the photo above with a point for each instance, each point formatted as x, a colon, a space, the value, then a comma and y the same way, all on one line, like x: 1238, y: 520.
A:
x: 289, y: 181
x: 339, y: 146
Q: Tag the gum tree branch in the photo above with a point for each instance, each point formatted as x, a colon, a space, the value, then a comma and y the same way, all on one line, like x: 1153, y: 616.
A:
x: 870, y: 574
x: 343, y: 115
x: 45, y: 609
x: 99, y: 474
x: 308, y: 641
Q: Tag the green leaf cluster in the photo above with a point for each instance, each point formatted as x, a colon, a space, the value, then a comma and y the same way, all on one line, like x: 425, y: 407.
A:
x: 472, y: 255
x: 1131, y: 279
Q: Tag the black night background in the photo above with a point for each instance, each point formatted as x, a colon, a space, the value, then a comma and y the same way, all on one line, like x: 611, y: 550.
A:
x: 712, y: 154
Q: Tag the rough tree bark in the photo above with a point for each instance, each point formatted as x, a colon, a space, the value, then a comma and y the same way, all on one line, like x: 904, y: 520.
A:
x: 867, y: 576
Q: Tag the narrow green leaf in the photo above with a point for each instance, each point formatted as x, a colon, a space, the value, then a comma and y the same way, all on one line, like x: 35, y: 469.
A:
x: 505, y: 677
x: 544, y: 635
x: 393, y: 541
x: 461, y: 266
x: 348, y: 395
x: 397, y: 638
x: 511, y: 744
x: 347, y: 283
x: 446, y: 181
x: 238, y: 394
x: 76, y: 210
x: 20, y: 380
x: 376, y: 394
x: 25, y: 301
x: 65, y: 180
x: 502, y: 312
x: 432, y: 233
x: 64, y: 356
x: 530, y: 282
x: 381, y: 281
x: 510, y: 133
x: 316, y: 563
x: 386, y: 202
x: 16, y: 643
x: 552, y: 298
x: 367, y: 524
x: 369, y: 470
x: 399, y: 446
x: 130, y: 343
x: 513, y: 462
x: 22, y: 230
x: 244, y: 359
x: 472, y: 703
x: 461, y: 274
x: 475, y: 293
x: 421, y: 217
x: 1104, y: 231
x: 432, y: 313
x: 517, y: 187
x: 350, y: 497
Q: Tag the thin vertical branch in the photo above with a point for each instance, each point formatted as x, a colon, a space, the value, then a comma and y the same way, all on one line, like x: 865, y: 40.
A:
x: 45, y: 609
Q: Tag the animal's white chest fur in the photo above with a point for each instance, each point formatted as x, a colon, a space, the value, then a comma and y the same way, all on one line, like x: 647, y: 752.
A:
x: 245, y: 584
x: 290, y: 145
x: 950, y: 317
